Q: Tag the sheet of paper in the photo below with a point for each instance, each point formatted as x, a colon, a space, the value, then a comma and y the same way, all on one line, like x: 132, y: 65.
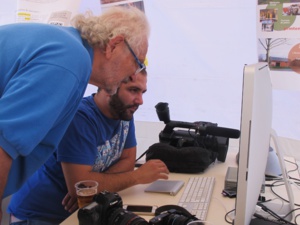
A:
x: 58, y: 12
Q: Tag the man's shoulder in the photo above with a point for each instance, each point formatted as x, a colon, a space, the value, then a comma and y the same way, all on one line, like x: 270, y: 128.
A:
x: 88, y: 111
x: 37, y: 28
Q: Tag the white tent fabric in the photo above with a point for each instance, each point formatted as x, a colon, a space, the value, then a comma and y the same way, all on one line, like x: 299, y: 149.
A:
x: 197, y: 52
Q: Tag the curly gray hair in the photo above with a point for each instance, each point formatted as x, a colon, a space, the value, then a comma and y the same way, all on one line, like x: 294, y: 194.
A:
x: 129, y: 21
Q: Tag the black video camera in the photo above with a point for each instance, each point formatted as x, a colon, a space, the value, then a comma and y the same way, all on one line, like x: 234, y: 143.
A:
x: 201, y: 134
x: 107, y: 209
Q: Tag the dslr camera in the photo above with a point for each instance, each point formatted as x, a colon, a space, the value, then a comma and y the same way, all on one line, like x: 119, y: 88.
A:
x: 197, y: 134
x: 172, y: 217
x: 107, y: 209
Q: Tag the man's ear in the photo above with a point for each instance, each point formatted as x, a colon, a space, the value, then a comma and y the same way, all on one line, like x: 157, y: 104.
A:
x: 112, y: 44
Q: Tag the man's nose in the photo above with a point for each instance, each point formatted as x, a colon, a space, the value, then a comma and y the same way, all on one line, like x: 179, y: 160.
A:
x: 139, y: 99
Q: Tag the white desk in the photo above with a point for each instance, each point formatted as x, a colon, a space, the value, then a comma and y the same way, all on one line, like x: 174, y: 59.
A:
x: 219, y: 205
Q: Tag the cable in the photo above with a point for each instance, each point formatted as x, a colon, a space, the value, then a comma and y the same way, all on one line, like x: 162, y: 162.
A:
x: 296, y: 218
x: 272, y: 178
x: 292, y: 212
x: 265, y: 219
x: 296, y: 179
x: 220, y: 202
x: 295, y: 164
x: 227, y: 215
x: 279, y: 183
x: 275, y: 215
x: 274, y: 192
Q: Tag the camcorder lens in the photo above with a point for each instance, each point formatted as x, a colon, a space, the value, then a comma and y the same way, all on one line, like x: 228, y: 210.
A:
x: 123, y: 217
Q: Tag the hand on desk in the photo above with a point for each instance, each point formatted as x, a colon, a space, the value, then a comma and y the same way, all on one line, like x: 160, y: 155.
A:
x: 151, y: 171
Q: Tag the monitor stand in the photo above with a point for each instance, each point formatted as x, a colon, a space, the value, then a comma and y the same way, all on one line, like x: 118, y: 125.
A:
x: 280, y: 209
x: 273, y: 168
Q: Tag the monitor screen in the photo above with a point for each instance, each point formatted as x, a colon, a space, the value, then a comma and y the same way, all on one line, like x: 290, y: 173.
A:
x: 256, y: 122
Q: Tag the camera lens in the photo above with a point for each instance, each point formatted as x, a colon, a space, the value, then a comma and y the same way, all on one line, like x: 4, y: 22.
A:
x: 121, y: 216
x: 176, y: 219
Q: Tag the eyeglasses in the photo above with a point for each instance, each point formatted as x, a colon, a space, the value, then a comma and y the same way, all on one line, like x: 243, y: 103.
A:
x: 141, y: 65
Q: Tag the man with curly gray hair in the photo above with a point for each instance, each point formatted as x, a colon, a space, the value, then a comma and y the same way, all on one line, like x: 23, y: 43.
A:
x: 109, y: 34
x: 43, y: 77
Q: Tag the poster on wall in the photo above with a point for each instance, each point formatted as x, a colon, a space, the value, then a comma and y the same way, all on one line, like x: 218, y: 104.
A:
x: 278, y: 32
x: 55, y: 12
x: 109, y: 3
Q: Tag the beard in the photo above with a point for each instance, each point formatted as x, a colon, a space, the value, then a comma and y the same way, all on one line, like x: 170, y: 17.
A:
x: 121, y: 111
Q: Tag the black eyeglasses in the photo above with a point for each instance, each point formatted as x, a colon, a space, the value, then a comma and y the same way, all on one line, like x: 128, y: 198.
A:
x: 141, y: 65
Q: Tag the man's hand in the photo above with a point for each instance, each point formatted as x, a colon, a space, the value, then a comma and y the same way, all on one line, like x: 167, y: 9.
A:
x: 70, y: 203
x: 5, y: 164
x: 151, y: 171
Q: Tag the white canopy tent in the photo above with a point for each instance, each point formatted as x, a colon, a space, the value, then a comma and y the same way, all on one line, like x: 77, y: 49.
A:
x: 197, y: 52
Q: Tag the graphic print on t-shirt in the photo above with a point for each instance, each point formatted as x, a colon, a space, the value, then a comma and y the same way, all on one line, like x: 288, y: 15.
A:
x: 112, y: 150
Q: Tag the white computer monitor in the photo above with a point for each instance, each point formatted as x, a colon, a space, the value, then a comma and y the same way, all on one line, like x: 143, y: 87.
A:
x: 256, y: 123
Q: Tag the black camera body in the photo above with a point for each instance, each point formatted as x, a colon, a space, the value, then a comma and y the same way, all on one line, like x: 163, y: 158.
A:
x: 96, y: 212
x: 172, y: 217
x: 197, y: 134
x: 107, y: 209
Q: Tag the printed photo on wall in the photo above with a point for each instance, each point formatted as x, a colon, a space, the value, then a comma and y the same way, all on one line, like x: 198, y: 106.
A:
x: 267, y: 18
x: 109, y: 3
x: 282, y: 54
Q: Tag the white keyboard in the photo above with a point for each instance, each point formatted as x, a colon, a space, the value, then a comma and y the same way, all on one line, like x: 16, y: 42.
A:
x: 196, y: 196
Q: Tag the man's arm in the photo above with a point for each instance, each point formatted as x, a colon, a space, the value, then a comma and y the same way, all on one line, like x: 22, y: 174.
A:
x: 118, y: 177
x: 5, y: 162
x: 114, y: 182
x: 126, y: 161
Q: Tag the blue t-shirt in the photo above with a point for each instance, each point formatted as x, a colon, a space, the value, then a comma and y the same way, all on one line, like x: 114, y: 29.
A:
x: 91, y: 139
x: 44, y: 71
